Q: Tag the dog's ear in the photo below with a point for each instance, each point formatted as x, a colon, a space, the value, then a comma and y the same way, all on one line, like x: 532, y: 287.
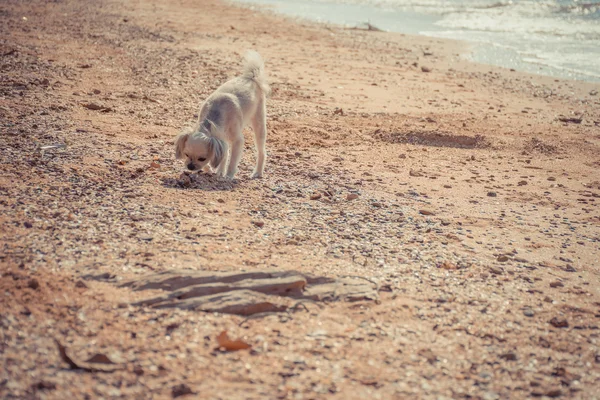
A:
x: 215, y: 147
x: 180, y: 144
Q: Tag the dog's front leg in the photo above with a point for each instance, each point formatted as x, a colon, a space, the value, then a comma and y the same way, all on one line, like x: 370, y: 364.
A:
x: 223, y: 166
x: 236, y: 154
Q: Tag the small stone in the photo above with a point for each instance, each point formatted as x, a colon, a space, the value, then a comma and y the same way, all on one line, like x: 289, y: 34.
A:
x: 551, y: 178
x: 138, y: 370
x: 96, y: 91
x: 44, y: 385
x: 508, y: 356
x: 258, y: 224
x: 554, y: 393
x: 556, y: 284
x: 559, y: 322
x: 33, y: 284
x: 27, y: 224
x: 180, y: 390
x: 492, y: 194
x: 425, y: 69
x: 491, y: 396
x: 315, y: 196
x: 502, y: 258
x: 496, y: 271
x: 522, y: 183
x: 448, y: 265
x: 81, y: 284
x: 426, y: 212
x: 528, y: 312
x: 352, y: 196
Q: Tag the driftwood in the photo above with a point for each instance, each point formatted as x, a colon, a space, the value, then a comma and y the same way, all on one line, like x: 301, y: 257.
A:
x: 248, y: 293
x: 367, y: 27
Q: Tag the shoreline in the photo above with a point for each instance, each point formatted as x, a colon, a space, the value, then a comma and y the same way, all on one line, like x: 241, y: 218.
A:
x: 418, y: 24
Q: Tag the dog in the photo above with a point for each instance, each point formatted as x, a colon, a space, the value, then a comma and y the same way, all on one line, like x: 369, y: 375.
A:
x: 217, y: 140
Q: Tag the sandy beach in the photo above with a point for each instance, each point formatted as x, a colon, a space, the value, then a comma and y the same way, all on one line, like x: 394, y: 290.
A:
x: 446, y: 210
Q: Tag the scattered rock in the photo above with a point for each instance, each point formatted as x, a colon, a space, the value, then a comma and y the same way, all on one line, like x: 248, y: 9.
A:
x: 528, y: 312
x: 448, y: 266
x: 33, y: 284
x: 258, y: 224
x: 492, y: 194
x: 572, y: 120
x: 99, y: 358
x: 248, y: 293
x: 509, y: 356
x: 180, y: 390
x: 496, y: 270
x: 96, y: 107
x: 556, y: 284
x: 559, y: 322
x: 426, y: 212
x: 425, y: 69
x: 502, y: 258
x: 44, y: 385
x: 315, y: 196
x: 352, y: 196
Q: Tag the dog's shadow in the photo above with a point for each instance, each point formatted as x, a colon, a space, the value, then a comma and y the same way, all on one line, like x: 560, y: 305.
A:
x: 203, y: 181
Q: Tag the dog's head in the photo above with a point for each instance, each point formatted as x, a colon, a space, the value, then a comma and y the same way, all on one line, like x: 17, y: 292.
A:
x: 198, y: 150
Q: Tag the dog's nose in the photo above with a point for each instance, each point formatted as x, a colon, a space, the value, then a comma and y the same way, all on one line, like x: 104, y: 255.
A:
x: 191, y: 167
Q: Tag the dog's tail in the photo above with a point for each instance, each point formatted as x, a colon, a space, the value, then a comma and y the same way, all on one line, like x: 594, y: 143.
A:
x: 254, y: 70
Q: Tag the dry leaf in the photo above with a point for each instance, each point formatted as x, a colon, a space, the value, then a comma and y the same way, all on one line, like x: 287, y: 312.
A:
x: 154, y: 165
x: 231, y: 345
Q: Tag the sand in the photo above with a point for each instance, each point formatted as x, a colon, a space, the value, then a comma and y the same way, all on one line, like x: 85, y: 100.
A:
x: 467, y: 195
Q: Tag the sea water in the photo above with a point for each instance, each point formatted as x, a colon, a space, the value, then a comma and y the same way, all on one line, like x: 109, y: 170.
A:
x: 553, y: 37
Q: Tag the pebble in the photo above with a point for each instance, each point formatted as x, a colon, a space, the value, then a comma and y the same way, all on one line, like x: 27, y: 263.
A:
x: 33, y: 284
x: 528, y: 312
x: 180, y: 390
x: 502, y: 258
x: 426, y: 212
x: 351, y: 196
x: 492, y: 194
x: 315, y: 196
x: 558, y: 322
x: 259, y: 224
x: 556, y: 284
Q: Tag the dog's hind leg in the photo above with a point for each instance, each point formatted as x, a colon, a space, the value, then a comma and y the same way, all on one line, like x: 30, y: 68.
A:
x: 259, y: 126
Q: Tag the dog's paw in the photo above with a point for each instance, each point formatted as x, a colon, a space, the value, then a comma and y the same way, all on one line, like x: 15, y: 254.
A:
x: 256, y: 175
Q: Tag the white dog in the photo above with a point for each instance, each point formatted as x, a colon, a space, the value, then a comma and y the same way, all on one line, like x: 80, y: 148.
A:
x: 237, y: 103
